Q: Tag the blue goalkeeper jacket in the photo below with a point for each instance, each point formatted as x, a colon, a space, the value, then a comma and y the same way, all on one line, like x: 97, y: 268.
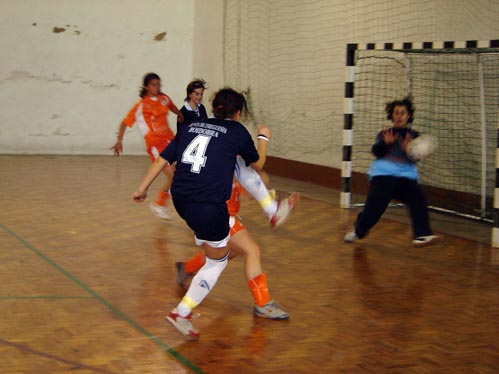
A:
x: 391, y: 160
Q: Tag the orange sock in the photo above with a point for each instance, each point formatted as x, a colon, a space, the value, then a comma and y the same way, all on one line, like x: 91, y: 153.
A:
x: 162, y: 196
x: 194, y: 264
x: 259, y: 289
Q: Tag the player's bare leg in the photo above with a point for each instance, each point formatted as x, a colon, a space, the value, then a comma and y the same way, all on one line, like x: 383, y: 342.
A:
x: 242, y: 243
x: 161, y: 207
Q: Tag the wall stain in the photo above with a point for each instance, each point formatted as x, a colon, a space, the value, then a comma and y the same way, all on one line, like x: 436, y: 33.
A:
x: 34, y: 24
x: 39, y: 134
x: 47, y: 135
x: 160, y: 36
x: 100, y: 86
x: 58, y: 132
x: 21, y: 74
x: 58, y: 30
x: 18, y: 75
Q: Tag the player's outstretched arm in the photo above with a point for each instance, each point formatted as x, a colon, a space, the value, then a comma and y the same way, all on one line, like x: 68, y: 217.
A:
x: 155, y: 169
x: 118, y: 146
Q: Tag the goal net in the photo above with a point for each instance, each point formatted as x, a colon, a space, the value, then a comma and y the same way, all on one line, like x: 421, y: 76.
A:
x: 456, y: 95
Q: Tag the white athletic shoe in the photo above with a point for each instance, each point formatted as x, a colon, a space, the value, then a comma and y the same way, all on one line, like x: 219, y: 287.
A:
x: 183, y: 325
x: 423, y: 241
x: 284, y: 208
x: 160, y: 211
x: 351, y: 236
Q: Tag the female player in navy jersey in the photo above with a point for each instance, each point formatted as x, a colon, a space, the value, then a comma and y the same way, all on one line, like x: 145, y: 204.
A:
x: 276, y: 211
x: 205, y: 155
x: 193, y: 109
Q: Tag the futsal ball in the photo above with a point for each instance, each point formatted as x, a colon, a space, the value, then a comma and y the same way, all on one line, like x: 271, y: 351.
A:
x: 420, y: 148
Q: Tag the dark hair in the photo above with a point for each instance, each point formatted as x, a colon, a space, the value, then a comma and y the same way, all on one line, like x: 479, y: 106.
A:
x: 147, y: 79
x: 407, y: 102
x: 227, y: 102
x: 194, y: 85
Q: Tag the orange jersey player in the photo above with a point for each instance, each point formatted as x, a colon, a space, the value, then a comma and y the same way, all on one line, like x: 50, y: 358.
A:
x: 150, y: 113
x: 151, y: 116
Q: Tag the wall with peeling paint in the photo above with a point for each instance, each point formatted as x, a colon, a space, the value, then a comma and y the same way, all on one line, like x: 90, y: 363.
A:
x: 70, y: 71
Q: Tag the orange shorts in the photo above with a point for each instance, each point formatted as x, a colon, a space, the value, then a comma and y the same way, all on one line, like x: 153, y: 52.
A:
x: 155, y: 149
x: 235, y: 225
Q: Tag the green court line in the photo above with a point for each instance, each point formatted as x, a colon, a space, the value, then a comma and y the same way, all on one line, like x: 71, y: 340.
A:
x: 103, y: 301
x: 48, y: 297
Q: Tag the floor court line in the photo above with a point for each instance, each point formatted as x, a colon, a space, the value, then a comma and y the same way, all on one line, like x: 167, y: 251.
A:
x: 103, y: 301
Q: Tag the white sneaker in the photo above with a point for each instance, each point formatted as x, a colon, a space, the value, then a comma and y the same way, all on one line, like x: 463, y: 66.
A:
x: 160, y: 211
x: 423, y: 241
x: 351, y: 236
x: 183, y: 325
x: 284, y: 208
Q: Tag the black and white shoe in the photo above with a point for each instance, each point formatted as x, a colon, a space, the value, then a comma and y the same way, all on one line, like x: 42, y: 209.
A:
x: 423, y: 241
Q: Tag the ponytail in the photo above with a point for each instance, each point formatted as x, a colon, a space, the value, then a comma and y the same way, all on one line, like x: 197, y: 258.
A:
x: 227, y: 102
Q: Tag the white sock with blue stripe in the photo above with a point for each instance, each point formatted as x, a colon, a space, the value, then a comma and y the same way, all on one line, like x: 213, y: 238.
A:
x: 201, y: 285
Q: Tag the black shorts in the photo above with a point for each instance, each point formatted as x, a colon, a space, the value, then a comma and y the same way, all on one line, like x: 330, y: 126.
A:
x: 209, y: 221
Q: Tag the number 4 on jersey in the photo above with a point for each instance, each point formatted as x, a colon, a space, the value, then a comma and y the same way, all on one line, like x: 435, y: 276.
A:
x: 194, y: 153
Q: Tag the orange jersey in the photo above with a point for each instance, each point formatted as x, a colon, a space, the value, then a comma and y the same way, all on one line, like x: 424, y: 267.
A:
x: 151, y: 115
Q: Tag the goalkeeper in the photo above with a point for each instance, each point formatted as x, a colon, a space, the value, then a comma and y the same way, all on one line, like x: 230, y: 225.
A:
x: 394, y: 175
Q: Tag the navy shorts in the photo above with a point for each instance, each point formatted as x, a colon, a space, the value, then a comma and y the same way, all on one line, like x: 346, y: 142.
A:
x: 209, y: 221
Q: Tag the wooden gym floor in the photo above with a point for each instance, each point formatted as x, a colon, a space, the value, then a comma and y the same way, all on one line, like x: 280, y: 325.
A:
x: 87, y: 276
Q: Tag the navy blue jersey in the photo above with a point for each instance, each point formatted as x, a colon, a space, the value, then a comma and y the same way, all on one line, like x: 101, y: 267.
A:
x: 394, y: 150
x: 192, y: 115
x: 205, y: 152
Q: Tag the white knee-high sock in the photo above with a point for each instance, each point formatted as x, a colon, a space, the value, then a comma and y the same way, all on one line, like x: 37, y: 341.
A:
x: 251, y: 182
x: 201, y: 285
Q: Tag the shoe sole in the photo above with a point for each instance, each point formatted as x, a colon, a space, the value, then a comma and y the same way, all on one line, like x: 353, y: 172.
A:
x: 295, y: 199
x: 165, y: 216
x: 174, y: 324
x: 428, y: 243
x: 283, y: 318
x: 350, y: 241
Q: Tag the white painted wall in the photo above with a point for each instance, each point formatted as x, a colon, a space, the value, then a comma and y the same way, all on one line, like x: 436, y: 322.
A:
x: 66, y: 92
x: 70, y: 70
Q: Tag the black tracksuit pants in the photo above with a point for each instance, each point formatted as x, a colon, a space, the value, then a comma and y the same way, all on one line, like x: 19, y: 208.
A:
x: 384, y: 188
